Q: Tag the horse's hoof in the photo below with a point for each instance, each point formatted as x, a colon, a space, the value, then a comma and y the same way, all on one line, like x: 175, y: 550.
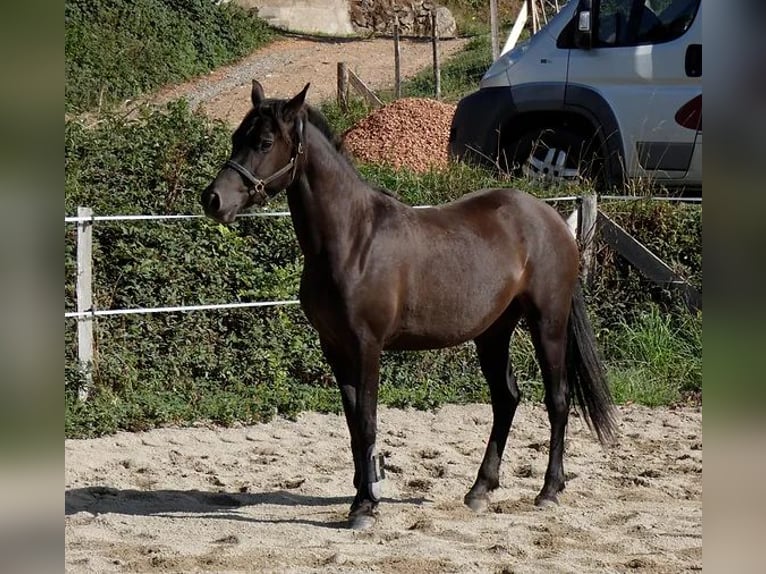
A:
x: 478, y: 504
x: 361, y: 522
x: 546, y: 501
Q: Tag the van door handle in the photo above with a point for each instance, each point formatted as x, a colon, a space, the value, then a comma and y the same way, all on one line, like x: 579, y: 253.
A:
x: 693, y: 62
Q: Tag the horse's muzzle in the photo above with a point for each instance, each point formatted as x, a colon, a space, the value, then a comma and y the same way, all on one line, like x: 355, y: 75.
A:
x: 213, y: 206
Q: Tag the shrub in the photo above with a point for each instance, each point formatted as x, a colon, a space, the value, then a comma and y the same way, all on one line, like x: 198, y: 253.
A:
x: 673, y: 232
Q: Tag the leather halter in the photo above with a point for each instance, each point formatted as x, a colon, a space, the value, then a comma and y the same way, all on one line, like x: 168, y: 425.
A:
x: 257, y: 187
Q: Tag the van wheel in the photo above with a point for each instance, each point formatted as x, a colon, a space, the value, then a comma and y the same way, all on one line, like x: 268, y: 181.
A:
x: 554, y: 155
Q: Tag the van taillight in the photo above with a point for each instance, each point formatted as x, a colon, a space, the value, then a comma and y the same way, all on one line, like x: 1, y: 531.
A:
x: 690, y: 114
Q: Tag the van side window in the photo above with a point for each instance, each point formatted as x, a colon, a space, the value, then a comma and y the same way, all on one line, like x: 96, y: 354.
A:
x: 637, y: 22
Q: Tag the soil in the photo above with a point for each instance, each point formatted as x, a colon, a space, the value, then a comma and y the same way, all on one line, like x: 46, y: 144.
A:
x: 285, y: 66
x: 273, y: 497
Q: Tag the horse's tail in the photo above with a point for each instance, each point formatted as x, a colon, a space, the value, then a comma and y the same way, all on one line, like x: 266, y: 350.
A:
x: 586, y: 375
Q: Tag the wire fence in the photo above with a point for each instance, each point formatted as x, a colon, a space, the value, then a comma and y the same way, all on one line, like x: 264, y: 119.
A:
x: 85, y: 220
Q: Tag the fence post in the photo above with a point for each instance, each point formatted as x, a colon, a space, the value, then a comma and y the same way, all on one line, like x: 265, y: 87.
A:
x: 397, y: 60
x: 343, y: 86
x: 85, y: 297
x: 494, y: 29
x: 587, y: 231
x: 437, y: 63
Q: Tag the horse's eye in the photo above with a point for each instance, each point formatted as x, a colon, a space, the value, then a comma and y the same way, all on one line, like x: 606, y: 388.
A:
x: 266, y: 145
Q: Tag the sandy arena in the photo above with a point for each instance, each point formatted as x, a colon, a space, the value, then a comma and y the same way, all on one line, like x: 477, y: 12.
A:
x: 273, y: 498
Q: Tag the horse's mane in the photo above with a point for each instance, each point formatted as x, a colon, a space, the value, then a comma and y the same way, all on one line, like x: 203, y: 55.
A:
x: 319, y: 121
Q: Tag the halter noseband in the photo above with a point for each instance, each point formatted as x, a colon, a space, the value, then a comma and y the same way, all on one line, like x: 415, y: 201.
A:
x: 257, y: 187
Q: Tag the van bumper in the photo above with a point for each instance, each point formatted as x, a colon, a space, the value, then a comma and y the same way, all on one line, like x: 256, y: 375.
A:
x: 475, y: 131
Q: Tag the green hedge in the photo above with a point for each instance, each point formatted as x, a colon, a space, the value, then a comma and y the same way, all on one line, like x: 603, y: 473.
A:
x: 117, y: 50
x: 248, y: 364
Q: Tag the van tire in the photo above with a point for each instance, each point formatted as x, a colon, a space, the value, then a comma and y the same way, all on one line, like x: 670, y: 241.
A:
x: 538, y: 154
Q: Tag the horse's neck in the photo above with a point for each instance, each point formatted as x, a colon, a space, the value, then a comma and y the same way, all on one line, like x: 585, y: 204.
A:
x: 328, y: 200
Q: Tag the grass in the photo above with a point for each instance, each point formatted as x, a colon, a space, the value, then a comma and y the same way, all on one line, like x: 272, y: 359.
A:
x: 656, y: 359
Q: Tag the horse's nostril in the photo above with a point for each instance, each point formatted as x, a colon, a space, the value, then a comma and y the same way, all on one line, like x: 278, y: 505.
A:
x: 213, y: 202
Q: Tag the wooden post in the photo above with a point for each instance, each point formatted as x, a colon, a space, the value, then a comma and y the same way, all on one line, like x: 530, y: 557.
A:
x: 84, y: 287
x: 363, y: 90
x: 437, y: 63
x: 493, y: 29
x: 397, y: 60
x: 587, y: 231
x: 343, y: 86
x: 573, y: 222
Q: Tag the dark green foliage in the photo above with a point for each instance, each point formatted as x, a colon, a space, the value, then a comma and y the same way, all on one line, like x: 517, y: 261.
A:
x: 341, y: 120
x: 117, y: 50
x: 673, y: 232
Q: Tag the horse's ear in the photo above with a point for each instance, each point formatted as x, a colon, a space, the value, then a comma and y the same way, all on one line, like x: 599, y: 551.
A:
x: 256, y: 95
x: 295, y: 105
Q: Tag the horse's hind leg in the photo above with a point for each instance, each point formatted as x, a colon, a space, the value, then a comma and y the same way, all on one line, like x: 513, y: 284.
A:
x: 549, y: 335
x: 493, y: 348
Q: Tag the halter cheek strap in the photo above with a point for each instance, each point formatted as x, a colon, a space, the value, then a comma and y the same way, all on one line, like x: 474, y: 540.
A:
x: 257, y: 188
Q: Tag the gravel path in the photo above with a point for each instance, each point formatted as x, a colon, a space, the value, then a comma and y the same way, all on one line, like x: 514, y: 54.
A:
x: 286, y: 65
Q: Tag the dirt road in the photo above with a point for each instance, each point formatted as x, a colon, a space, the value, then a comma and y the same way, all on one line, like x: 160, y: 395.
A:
x: 273, y: 498
x: 285, y: 66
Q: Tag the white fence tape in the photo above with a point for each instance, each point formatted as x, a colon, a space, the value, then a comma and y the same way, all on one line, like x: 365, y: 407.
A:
x: 147, y: 310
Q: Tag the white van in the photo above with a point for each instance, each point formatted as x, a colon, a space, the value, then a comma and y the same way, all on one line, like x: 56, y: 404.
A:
x: 608, y: 89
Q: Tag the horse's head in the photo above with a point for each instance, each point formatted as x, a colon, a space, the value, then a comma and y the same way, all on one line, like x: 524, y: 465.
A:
x: 266, y: 151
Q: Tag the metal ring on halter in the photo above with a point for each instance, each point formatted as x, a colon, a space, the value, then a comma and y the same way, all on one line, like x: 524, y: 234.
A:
x: 259, y: 192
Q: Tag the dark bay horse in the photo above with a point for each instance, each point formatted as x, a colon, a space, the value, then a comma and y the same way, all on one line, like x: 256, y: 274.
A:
x: 379, y: 274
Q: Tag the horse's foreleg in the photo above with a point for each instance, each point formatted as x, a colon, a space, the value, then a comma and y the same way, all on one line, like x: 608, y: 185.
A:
x: 493, y: 350
x: 364, y: 508
x: 343, y: 369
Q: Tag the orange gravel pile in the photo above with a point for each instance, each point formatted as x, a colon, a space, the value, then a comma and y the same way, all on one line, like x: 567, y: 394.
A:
x: 410, y: 132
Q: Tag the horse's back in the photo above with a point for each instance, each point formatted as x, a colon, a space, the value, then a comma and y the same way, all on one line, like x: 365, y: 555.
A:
x: 520, y: 232
x: 450, y: 271
x: 505, y: 208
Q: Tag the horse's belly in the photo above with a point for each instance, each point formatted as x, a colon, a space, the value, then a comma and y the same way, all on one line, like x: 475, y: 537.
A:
x: 421, y: 342
x: 448, y: 324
